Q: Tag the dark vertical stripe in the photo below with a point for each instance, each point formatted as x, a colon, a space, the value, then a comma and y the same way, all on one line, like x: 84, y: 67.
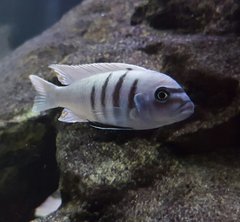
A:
x: 117, y: 90
x: 93, y: 102
x: 92, y: 98
x: 103, y: 91
x: 131, y: 94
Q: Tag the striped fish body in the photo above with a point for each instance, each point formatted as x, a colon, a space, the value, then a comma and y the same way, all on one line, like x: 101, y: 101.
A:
x: 106, y: 98
x: 120, y: 97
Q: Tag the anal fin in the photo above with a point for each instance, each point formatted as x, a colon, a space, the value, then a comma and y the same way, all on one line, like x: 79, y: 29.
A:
x: 69, y: 117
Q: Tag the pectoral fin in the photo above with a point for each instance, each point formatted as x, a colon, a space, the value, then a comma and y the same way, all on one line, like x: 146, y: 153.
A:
x: 133, y: 114
x: 102, y: 114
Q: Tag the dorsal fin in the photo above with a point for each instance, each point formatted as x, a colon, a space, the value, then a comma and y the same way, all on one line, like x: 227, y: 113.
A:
x: 67, y: 74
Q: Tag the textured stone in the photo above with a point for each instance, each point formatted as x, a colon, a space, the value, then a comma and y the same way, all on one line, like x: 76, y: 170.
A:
x: 211, y: 17
x: 28, y: 168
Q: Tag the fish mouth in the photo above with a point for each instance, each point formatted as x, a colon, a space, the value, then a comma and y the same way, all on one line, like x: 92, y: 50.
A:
x: 187, y: 107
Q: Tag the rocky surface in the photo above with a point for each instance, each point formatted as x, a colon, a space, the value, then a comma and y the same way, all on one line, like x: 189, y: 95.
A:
x: 186, y: 171
x: 28, y: 168
x: 186, y: 16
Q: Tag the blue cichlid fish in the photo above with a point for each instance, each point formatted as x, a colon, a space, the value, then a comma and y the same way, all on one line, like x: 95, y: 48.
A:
x: 113, y: 96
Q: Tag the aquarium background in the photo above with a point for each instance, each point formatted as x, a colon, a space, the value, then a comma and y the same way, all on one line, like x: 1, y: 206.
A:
x: 22, y: 20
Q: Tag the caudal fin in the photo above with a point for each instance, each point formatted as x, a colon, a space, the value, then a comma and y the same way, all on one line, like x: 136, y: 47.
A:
x: 46, y: 94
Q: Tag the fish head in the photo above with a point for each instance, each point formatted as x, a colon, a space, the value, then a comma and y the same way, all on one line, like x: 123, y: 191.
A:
x: 164, y: 102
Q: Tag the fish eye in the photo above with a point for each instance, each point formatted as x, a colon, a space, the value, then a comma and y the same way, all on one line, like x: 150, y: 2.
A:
x: 161, y: 95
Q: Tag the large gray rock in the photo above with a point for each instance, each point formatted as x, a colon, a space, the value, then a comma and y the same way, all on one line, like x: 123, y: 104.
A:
x: 28, y: 168
x: 186, y: 171
x: 186, y: 16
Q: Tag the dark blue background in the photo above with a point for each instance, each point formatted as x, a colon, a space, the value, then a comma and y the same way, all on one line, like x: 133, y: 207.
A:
x: 28, y: 18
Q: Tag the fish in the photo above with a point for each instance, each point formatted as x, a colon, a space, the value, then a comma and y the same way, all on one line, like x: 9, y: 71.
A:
x: 113, y: 96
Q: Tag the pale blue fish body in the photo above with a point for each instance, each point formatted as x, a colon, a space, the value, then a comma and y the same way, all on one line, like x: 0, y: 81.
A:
x: 114, y: 94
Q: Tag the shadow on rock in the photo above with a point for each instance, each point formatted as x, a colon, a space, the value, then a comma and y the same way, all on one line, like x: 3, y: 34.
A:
x: 28, y: 168
x: 223, y: 141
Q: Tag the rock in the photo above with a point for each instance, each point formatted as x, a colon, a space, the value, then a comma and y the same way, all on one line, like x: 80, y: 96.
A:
x: 211, y: 17
x: 28, y: 168
x: 179, y: 172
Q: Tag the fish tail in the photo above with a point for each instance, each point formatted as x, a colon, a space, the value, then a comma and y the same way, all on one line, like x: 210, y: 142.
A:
x: 46, y: 94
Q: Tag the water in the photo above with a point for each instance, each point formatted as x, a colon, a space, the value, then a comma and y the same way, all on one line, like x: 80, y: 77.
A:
x: 21, y: 20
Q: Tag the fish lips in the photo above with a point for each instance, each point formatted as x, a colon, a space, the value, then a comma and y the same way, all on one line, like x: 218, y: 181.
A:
x: 187, y: 108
